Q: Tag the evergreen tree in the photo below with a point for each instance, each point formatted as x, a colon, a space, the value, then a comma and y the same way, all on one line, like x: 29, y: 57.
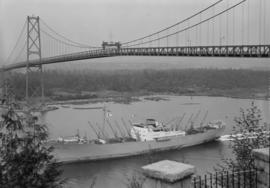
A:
x: 25, y: 160
x: 248, y: 133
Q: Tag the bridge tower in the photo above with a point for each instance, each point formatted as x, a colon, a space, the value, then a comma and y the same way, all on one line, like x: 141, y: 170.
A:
x: 34, y: 90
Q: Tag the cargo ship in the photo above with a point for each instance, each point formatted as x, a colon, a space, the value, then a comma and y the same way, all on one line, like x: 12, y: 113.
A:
x: 150, y: 136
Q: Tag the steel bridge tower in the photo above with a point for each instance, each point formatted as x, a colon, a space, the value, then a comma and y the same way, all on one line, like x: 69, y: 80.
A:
x: 34, y: 90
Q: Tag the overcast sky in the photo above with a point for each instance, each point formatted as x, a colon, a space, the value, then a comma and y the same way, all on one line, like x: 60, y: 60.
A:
x: 94, y: 21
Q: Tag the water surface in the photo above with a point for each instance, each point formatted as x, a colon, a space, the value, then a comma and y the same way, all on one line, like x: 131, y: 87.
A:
x: 113, y: 173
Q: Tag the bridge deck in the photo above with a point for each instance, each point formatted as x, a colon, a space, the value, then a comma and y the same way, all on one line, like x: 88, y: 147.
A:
x: 258, y: 51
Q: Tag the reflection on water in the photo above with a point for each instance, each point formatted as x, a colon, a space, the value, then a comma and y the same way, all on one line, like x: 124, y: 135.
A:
x: 113, y: 173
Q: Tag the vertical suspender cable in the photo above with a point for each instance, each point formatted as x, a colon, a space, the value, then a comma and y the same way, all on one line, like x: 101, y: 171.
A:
x: 208, y: 30
x: 260, y: 21
x: 213, y: 32
x: 186, y: 37
x: 158, y: 40
x: 220, y: 30
x: 233, y: 26
x: 8, y: 60
x: 167, y: 39
x: 189, y: 41
x: 243, y: 23
x: 227, y: 23
x: 196, y: 30
x: 200, y: 29
x: 264, y: 22
x: 177, y: 36
x: 61, y: 48
x: 51, y: 48
x: 248, y: 17
x: 57, y: 48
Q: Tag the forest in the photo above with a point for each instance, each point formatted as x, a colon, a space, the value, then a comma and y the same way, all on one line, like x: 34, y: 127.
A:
x: 213, y: 82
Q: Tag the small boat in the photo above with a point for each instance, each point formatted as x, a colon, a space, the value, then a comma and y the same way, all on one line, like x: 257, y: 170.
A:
x: 72, y: 139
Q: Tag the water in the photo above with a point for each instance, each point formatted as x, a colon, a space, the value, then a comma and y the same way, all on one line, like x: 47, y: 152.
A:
x: 112, y: 173
x: 67, y: 121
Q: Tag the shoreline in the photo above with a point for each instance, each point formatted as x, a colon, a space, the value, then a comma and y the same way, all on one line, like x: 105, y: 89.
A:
x: 130, y: 97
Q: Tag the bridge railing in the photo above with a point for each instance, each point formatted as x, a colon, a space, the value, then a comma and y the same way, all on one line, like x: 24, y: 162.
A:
x: 225, y: 51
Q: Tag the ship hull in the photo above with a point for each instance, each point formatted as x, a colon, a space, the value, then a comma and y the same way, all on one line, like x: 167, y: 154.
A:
x: 74, y: 152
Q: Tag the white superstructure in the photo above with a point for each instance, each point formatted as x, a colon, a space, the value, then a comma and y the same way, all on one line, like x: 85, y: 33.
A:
x: 153, y: 130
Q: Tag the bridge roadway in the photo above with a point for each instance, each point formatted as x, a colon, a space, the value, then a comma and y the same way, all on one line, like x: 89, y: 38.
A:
x: 258, y: 51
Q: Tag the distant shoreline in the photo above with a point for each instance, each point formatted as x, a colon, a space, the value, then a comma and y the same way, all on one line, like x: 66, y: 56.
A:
x: 126, y: 86
x: 130, y: 97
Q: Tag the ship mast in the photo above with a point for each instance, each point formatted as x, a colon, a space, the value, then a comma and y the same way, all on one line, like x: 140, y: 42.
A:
x: 104, y: 117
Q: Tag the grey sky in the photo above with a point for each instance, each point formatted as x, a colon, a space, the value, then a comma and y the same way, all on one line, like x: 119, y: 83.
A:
x: 92, y: 21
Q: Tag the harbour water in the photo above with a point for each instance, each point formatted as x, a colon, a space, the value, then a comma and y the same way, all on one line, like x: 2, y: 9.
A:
x: 112, y: 173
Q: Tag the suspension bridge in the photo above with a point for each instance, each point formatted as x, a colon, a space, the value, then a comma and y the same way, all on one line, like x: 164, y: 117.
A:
x: 222, y: 29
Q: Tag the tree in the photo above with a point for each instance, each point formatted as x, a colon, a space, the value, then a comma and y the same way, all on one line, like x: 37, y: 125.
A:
x: 248, y: 133
x: 25, y: 160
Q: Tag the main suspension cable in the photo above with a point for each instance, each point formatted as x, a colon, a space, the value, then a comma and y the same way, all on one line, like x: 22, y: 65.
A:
x: 66, y: 43
x: 178, y: 23
x: 17, y: 42
x: 192, y: 26
x: 71, y: 41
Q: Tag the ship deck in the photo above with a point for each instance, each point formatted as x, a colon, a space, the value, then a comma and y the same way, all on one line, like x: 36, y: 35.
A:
x: 73, y: 152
